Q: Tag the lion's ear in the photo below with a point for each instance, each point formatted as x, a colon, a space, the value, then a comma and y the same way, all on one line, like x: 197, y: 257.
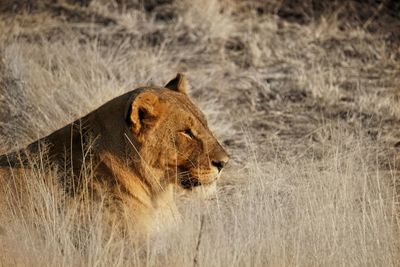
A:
x: 179, y: 83
x: 144, y: 112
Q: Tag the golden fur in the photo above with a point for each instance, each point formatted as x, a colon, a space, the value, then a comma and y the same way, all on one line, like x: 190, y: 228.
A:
x: 139, y: 146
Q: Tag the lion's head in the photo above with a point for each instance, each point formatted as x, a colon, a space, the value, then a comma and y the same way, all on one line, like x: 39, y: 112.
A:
x: 175, y: 144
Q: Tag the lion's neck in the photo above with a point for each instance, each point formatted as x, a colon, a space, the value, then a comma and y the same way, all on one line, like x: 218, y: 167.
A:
x: 151, y: 208
x: 129, y: 181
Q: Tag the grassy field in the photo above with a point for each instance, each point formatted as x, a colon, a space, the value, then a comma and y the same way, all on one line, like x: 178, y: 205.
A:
x: 305, y: 98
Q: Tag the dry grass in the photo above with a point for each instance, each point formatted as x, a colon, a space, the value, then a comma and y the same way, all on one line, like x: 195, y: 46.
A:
x: 309, y: 113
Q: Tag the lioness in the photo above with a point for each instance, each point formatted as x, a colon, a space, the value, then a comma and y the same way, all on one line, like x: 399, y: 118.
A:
x: 140, y: 145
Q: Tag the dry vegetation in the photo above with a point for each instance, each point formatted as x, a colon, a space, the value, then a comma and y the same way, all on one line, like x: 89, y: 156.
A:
x: 305, y: 98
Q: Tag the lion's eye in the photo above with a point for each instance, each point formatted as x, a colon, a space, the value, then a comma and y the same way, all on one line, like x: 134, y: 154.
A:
x: 188, y: 133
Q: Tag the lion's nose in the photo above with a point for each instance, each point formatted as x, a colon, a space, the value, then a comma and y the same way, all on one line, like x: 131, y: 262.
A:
x: 221, y: 162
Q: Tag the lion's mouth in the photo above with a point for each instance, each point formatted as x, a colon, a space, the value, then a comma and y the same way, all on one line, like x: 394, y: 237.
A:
x: 190, y: 179
x: 189, y: 183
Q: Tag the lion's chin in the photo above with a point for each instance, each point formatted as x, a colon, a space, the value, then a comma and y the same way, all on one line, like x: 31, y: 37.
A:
x: 205, y: 191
